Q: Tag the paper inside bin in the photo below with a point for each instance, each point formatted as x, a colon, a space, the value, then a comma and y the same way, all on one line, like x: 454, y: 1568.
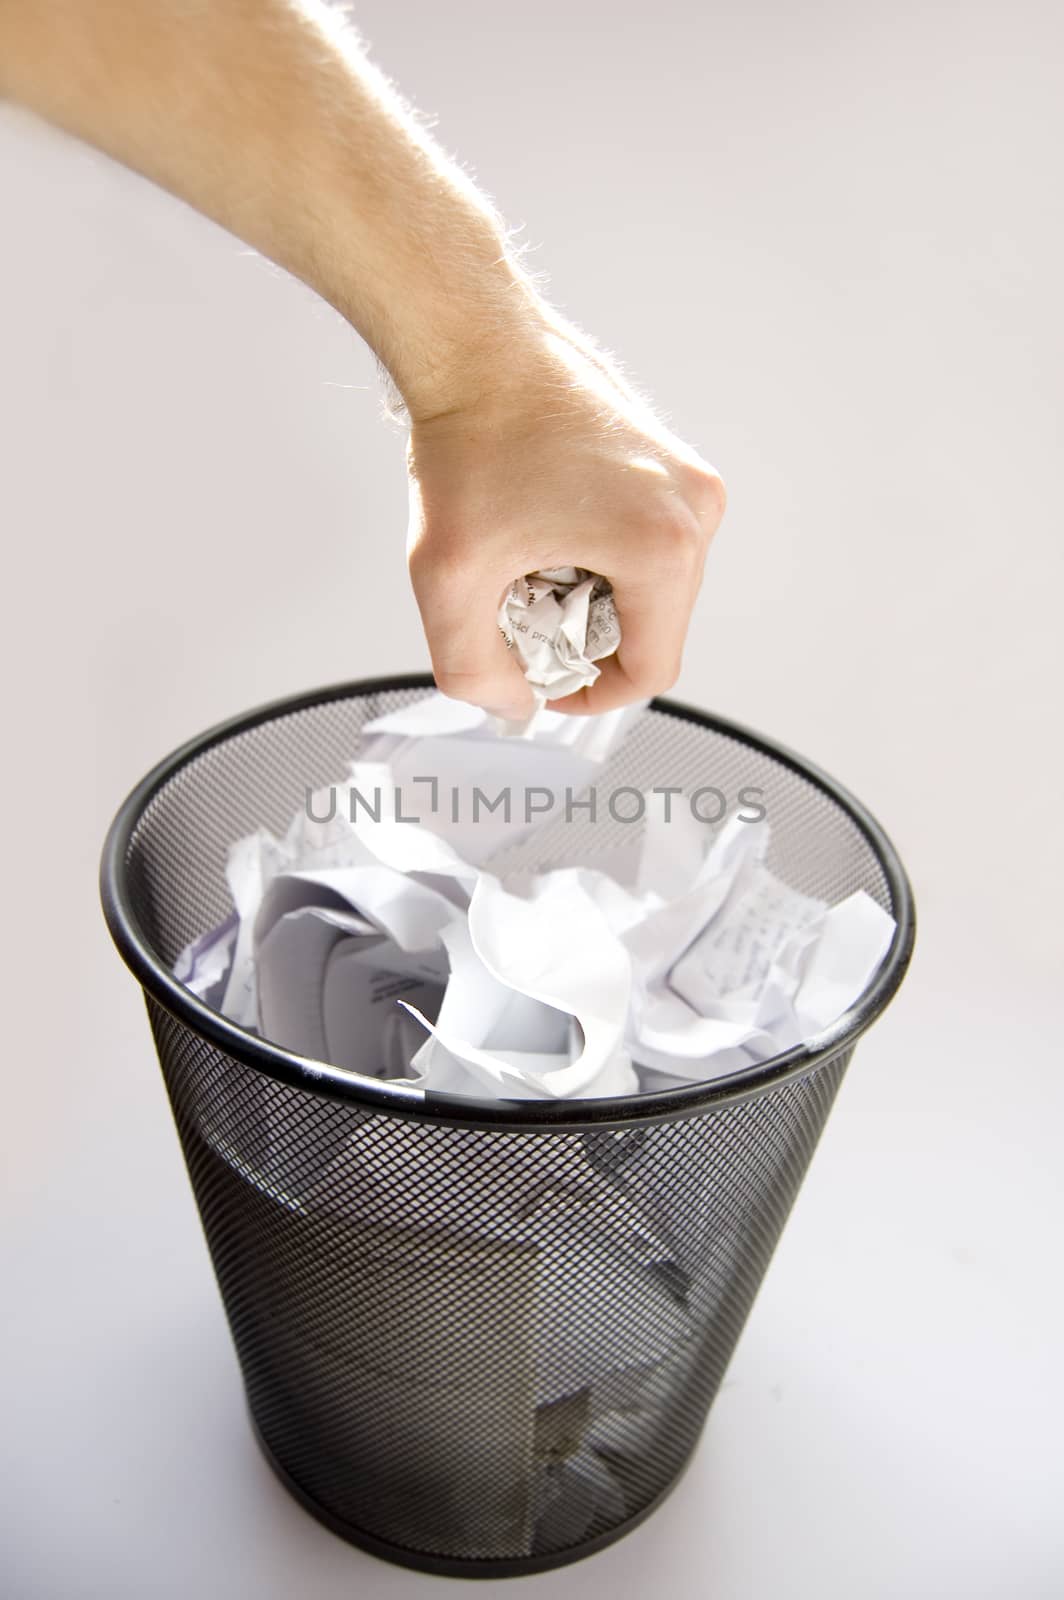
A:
x: 386, y: 934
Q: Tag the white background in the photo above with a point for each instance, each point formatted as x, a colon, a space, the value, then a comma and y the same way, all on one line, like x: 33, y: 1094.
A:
x: 827, y: 239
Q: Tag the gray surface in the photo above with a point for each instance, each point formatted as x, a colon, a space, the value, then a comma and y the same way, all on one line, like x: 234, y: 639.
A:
x: 827, y: 240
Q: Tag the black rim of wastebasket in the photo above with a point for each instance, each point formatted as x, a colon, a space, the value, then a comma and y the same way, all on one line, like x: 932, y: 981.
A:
x: 332, y: 1082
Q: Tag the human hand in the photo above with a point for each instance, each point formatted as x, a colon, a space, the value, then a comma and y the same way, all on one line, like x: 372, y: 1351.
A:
x: 528, y: 450
x: 555, y: 463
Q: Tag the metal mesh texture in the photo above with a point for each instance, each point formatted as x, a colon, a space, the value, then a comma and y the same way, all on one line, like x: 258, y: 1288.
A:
x: 479, y: 1351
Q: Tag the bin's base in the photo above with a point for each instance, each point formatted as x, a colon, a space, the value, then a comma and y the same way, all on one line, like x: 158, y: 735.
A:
x: 452, y: 1566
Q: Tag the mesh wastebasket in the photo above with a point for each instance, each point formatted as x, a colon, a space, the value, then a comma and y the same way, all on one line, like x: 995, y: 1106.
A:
x: 458, y: 1350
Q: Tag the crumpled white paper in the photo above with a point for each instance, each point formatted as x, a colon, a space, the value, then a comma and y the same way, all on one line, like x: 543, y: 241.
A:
x: 376, y: 936
x: 559, y: 621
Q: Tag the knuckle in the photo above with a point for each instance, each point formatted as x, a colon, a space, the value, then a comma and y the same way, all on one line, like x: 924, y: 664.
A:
x: 680, y: 543
x: 419, y: 561
x: 458, y: 685
x: 656, y: 677
x: 710, y: 497
x: 479, y: 688
x: 667, y: 678
x: 441, y: 565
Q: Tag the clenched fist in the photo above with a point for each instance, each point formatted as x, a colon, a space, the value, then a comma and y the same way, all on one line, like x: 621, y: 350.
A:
x: 553, y: 462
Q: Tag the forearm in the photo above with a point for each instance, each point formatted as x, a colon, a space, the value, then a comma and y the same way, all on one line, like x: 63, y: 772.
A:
x: 528, y: 449
x: 266, y: 116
